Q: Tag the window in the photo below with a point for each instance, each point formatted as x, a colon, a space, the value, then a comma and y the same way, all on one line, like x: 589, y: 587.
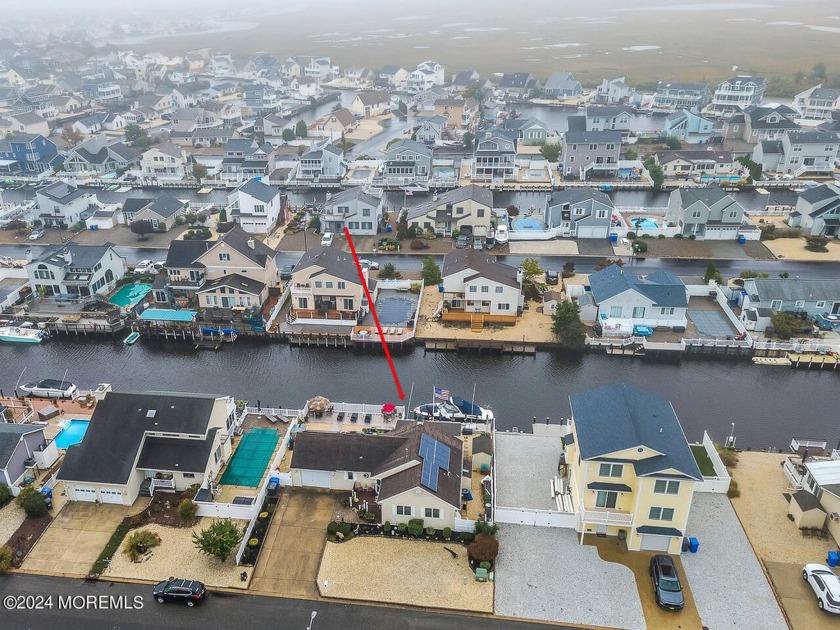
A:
x: 666, y: 486
x: 695, y: 214
x: 571, y: 158
x: 615, y: 311
x: 578, y: 211
x: 602, y: 214
x: 318, y: 284
x: 302, y: 302
x: 661, y: 514
x: 459, y: 210
x: 473, y: 289
x: 211, y: 300
x: 403, y: 510
x: 329, y: 284
x: 606, y: 499
x: 668, y: 310
x: 611, y: 470
x: 432, y: 513
x: 224, y: 257
x: 348, y: 304
x: 367, y: 225
x: 365, y: 212
x: 593, y: 147
x: 499, y: 289
x: 638, y: 312
x: 259, y: 208
x: 504, y: 307
x: 610, y: 147
x: 799, y: 304
x: 349, y: 475
x: 820, y: 305
x: 485, y: 289
x: 188, y: 475
x: 342, y: 285
x: 480, y: 213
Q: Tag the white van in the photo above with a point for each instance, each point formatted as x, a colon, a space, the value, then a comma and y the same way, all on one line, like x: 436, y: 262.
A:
x: 327, y: 238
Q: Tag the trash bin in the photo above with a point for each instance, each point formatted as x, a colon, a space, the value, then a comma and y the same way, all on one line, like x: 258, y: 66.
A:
x: 685, y: 544
x: 832, y: 559
x: 613, y: 237
x: 741, y: 239
x: 693, y: 544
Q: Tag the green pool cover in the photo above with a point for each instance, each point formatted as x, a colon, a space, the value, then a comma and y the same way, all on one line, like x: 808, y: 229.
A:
x: 251, y: 458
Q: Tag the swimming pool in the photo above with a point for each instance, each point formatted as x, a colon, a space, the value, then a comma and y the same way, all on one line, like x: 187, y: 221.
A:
x: 443, y: 171
x: 720, y: 178
x: 72, y: 433
x: 644, y: 222
x: 361, y: 174
x: 130, y: 294
x: 527, y: 223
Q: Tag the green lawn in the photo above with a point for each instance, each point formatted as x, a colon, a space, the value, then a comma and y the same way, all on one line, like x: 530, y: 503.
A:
x: 703, y: 460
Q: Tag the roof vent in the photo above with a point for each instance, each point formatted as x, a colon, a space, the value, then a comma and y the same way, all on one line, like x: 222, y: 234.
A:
x: 151, y: 413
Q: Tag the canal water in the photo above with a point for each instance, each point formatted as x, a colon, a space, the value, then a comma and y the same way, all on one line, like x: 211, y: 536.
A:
x: 768, y: 405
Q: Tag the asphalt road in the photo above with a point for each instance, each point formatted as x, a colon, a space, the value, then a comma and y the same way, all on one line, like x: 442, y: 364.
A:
x: 76, y: 605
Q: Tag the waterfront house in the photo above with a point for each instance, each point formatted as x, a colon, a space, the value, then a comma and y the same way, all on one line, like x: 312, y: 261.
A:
x: 355, y: 209
x: 407, y: 162
x: 529, y: 131
x: 479, y: 289
x: 81, y: 270
x: 233, y: 291
x: 468, y: 209
x: 822, y: 480
x: 140, y: 443
x: 326, y: 289
x: 703, y: 164
x: 590, y: 153
x: 29, y: 122
x: 95, y: 155
x: 688, y: 127
x: 162, y: 212
x: 425, y: 101
x: 28, y: 154
x: 737, y: 94
x: 305, y: 88
x: 261, y: 99
x: 798, y: 153
x: 131, y: 206
x: 414, y: 471
x: 393, y: 76
x: 432, y: 130
x: 631, y: 472
x: 625, y: 300
x: 705, y: 213
x: 464, y: 79
x: 517, y: 85
x: 272, y: 127
x: 580, y: 213
x: 326, y: 163
x: 676, y: 95
x: 208, y: 137
x: 608, y: 118
x: 371, y: 104
x: 818, y: 211
x: 256, y: 207
x: 817, y: 103
x: 61, y: 205
x: 494, y: 155
x: 427, y: 75
x: 562, y: 85
x: 102, y: 90
x: 335, y: 124
x: 165, y: 161
x: 245, y: 159
x: 810, y: 298
x: 23, y: 447
x: 159, y: 104
x: 615, y: 92
x: 461, y: 114
x: 755, y: 124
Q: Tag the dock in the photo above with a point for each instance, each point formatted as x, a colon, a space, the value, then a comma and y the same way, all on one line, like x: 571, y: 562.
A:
x: 811, y: 359
x: 208, y: 344
x: 784, y: 361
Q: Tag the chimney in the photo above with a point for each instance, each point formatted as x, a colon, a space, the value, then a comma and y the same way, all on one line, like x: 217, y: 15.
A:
x: 251, y: 243
x: 519, y: 275
x: 29, y: 256
x: 68, y: 257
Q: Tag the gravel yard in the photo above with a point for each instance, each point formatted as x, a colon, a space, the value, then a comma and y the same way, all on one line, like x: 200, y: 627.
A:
x: 543, y: 573
x: 729, y: 587
x: 176, y: 555
x: 11, y: 517
x: 538, y: 455
x: 402, y: 572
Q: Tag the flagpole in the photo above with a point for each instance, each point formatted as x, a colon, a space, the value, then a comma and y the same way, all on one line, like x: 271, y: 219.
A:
x: 410, y: 394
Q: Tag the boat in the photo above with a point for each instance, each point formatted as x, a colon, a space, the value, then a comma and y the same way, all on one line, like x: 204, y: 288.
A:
x: 415, y: 188
x: 50, y: 388
x: 436, y: 411
x: 502, y: 236
x: 16, y: 332
x: 470, y: 411
x: 132, y: 338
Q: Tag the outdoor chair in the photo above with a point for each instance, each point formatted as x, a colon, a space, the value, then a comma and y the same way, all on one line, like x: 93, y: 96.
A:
x: 368, y: 418
x: 340, y: 416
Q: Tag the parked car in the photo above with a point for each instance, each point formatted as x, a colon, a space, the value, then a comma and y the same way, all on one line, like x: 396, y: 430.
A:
x: 462, y: 241
x: 189, y: 592
x: 327, y: 238
x: 826, y: 586
x: 551, y: 277
x: 286, y: 272
x: 667, y: 589
x: 477, y: 243
x: 36, y: 234
x: 144, y: 266
x: 159, y: 265
x: 370, y: 264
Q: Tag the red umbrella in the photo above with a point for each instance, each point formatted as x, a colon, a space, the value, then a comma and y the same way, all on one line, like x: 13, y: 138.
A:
x: 388, y: 408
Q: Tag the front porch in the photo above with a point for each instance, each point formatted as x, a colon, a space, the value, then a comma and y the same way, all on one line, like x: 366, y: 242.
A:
x: 330, y: 316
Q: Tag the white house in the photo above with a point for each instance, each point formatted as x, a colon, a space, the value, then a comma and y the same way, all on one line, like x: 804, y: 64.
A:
x: 427, y: 75
x: 353, y: 208
x: 818, y: 211
x: 165, y: 161
x: 61, y: 205
x: 256, y: 207
x: 83, y: 270
x: 370, y: 104
x: 478, y: 287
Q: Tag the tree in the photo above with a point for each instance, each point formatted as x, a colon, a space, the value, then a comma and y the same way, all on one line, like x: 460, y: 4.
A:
x: 300, y: 129
x: 187, y: 511
x: 133, y: 131
x: 199, y: 170
x: 288, y: 135
x: 431, y: 271
x: 71, y: 136
x: 712, y: 273
x: 550, y: 152
x: 785, y: 325
x: 315, y: 223
x: 468, y: 139
x: 142, y: 227
x: 402, y: 225
x: 512, y: 210
x: 673, y: 143
x: 657, y: 175
x: 389, y: 272
x: 530, y: 270
x: 567, y: 326
x: 568, y: 270
x: 32, y: 501
x: 631, y: 154
x: 218, y: 540
x: 474, y: 90
x: 7, y: 558
x: 818, y: 71
x: 484, y: 548
x: 753, y: 167
x: 336, y: 107
x: 223, y: 215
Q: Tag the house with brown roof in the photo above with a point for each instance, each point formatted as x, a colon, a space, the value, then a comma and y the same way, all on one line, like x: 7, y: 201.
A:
x: 334, y: 124
x: 479, y: 289
x: 414, y: 471
x: 369, y: 104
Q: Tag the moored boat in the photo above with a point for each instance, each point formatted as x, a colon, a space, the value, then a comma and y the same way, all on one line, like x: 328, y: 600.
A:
x: 22, y: 333
x: 132, y: 338
x: 50, y: 388
x: 471, y: 411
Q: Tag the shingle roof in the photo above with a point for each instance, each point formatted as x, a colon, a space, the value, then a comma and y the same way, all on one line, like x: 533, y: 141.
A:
x: 10, y: 437
x: 61, y: 192
x: 820, y: 193
x: 85, y: 256
x: 807, y: 501
x: 592, y: 137
x: 239, y: 239
x: 183, y: 254
x: 237, y: 281
x: 812, y: 137
x: 351, y: 194
x: 258, y: 190
x: 373, y: 97
x: 709, y: 196
x: 333, y: 261
x: 680, y: 85
x: 483, y: 265
x: 620, y: 416
x: 577, y: 195
x: 173, y: 454
x: 663, y: 288
x: 166, y: 205
x: 477, y: 193
x: 135, y: 204
x: 793, y: 289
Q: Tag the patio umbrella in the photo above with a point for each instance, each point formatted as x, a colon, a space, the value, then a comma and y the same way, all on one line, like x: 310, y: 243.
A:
x: 319, y: 404
x: 388, y: 408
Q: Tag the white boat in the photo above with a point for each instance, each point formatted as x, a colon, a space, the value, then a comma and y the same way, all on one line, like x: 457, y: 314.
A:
x: 437, y: 411
x: 50, y: 388
x: 502, y: 235
x: 415, y: 188
x: 22, y: 333
x: 470, y: 411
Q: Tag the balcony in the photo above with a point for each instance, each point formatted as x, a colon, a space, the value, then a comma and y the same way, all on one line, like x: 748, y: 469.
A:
x: 605, y: 516
x: 191, y: 284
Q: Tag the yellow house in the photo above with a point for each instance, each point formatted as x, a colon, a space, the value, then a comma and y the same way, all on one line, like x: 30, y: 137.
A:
x: 629, y: 468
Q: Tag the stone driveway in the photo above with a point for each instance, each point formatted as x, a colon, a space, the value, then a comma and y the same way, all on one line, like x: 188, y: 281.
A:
x: 291, y: 553
x: 544, y: 573
x: 76, y: 537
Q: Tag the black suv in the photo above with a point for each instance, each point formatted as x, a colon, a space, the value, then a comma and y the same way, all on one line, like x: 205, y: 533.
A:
x: 666, y: 583
x: 551, y: 277
x: 189, y: 592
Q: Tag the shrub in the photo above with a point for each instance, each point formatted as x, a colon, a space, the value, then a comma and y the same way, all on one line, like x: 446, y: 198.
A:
x: 418, y: 244
x: 7, y: 558
x: 387, y: 527
x: 467, y: 537
x: 631, y: 236
x: 485, y: 565
x: 430, y: 531
x: 253, y: 542
x: 678, y: 235
x: 640, y: 246
x: 402, y: 528
x: 484, y: 547
x: 447, y: 533
x: 139, y: 543
x: 187, y: 511
x: 483, y: 527
x: 415, y: 527
x: 733, y: 491
x: 692, y: 237
x: 263, y: 515
x: 32, y: 502
x: 332, y: 528
x: 138, y: 520
x: 219, y: 539
x: 5, y: 494
x: 429, y: 234
x: 345, y: 528
x: 728, y: 457
x: 369, y: 517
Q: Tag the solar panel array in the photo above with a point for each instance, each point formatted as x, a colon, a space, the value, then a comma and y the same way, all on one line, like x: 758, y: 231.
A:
x: 435, y: 457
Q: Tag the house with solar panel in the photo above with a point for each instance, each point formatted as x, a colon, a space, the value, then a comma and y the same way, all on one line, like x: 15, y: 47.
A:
x: 411, y: 472
x: 630, y: 470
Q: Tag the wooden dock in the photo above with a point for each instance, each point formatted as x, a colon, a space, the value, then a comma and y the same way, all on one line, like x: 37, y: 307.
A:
x: 783, y: 361
x: 811, y: 359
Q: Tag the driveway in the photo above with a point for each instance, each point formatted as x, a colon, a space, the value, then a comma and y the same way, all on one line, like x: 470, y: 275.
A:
x: 798, y: 598
x: 544, y: 573
x: 291, y: 552
x: 729, y: 586
x: 76, y: 537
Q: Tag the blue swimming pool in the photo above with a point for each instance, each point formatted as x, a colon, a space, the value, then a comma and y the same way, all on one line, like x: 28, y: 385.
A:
x: 130, y: 294
x: 527, y: 223
x: 645, y: 222
x: 72, y: 433
x: 720, y: 178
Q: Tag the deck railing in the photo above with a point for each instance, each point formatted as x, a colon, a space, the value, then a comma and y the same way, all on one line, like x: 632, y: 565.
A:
x: 604, y: 516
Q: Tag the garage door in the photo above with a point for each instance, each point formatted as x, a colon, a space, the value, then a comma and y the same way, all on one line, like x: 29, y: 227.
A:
x: 85, y: 494
x: 592, y: 231
x: 110, y: 496
x: 652, y: 542
x: 315, y: 478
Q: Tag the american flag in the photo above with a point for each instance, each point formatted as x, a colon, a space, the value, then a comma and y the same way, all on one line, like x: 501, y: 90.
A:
x: 441, y: 394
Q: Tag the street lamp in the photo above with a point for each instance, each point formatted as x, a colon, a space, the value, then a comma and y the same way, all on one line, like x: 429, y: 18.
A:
x: 311, y: 619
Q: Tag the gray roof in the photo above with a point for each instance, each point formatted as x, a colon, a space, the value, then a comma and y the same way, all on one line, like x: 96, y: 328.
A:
x: 351, y: 194
x: 518, y: 80
x: 483, y: 265
x: 477, y: 193
x: 560, y: 80
x: 166, y: 205
x: 663, y: 288
x: 177, y: 455
x: 577, y: 195
x: 135, y: 204
x: 807, y: 501
x: 608, y: 111
x: 333, y: 261
x: 237, y: 281
x: 793, y: 289
x: 680, y: 85
x: 482, y: 444
x: 769, y: 147
x: 709, y: 196
x: 592, y: 137
x: 10, y: 435
x: 820, y: 193
x: 82, y: 256
x: 241, y: 241
x: 758, y: 81
x: 260, y: 191
x: 413, y: 145
x: 722, y: 157
x: 61, y: 192
x: 183, y: 254
x: 29, y: 118
x: 117, y: 428
x: 812, y: 137
x: 620, y: 416
x: 373, y: 97
x: 317, y: 450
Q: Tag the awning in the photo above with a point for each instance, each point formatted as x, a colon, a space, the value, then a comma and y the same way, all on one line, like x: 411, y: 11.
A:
x: 615, y: 487
x: 659, y: 531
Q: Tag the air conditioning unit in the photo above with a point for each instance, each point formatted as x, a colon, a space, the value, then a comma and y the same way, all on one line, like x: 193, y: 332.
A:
x: 834, y: 516
x: 366, y: 475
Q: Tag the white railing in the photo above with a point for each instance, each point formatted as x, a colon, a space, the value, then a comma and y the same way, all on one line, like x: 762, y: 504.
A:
x: 797, y: 443
x: 614, y: 342
x: 719, y: 482
x: 274, y: 411
x: 395, y: 337
x: 792, y: 474
x: 162, y: 484
x: 463, y: 525
x: 604, y: 516
x: 534, y: 517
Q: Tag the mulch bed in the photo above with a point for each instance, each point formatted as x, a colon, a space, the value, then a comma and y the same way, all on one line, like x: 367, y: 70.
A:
x: 27, y: 535
x: 163, y: 510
